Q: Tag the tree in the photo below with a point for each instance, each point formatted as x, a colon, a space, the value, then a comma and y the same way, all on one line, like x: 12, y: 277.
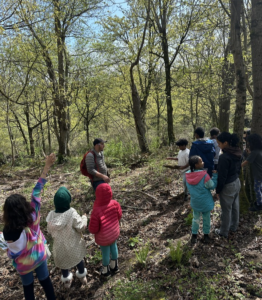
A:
x: 256, y: 41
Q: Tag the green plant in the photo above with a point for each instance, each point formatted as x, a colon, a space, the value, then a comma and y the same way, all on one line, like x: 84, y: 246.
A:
x: 142, y: 254
x: 133, y: 241
x: 176, y: 253
x: 189, y: 219
x: 96, y: 258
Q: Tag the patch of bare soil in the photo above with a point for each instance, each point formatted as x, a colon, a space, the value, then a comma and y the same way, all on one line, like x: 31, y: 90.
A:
x: 154, y: 212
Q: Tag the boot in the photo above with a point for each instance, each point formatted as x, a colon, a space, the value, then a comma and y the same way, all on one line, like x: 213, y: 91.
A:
x: 114, y: 266
x: 82, y: 277
x: 105, y: 272
x: 207, y: 239
x: 194, y: 239
x: 67, y: 281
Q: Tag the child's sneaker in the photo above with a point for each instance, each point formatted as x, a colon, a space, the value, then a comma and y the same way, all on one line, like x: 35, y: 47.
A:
x: 114, y: 266
x: 82, y: 277
x: 67, y: 281
x: 105, y: 272
x: 194, y: 239
x: 207, y: 239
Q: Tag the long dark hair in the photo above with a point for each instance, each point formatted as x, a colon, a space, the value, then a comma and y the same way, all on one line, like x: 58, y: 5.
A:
x: 254, y: 141
x: 232, y: 139
x: 17, y: 212
x: 193, y: 160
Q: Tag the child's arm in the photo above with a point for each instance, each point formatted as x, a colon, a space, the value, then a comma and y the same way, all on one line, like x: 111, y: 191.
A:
x: 244, y: 163
x: 94, y: 224
x: 172, y: 158
x: 35, y: 197
x: 119, y: 210
x: 211, y: 184
x: 79, y: 223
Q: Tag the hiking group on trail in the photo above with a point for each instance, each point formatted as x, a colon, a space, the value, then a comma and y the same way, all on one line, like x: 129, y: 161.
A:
x: 210, y: 164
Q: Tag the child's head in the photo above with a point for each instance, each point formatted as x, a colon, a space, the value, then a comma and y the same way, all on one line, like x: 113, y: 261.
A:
x: 214, y: 132
x: 62, y: 200
x: 226, y: 139
x: 254, y: 141
x: 196, y: 163
x: 17, y: 212
x: 199, y: 132
x: 182, y: 143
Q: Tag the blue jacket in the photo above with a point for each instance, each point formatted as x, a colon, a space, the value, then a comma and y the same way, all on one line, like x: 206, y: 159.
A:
x: 206, y: 150
x: 199, y: 185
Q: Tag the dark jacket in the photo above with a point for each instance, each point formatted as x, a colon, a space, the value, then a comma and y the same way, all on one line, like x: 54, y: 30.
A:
x: 206, y: 150
x: 229, y: 166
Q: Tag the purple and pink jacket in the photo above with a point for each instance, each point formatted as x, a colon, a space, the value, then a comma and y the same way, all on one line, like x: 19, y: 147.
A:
x: 34, y: 253
x: 199, y: 185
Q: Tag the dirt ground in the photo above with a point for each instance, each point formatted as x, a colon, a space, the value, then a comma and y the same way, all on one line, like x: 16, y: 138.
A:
x: 154, y: 215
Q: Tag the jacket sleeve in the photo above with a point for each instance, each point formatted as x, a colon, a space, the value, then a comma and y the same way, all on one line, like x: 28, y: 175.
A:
x: 212, y: 182
x: 79, y: 223
x: 223, y: 165
x: 193, y: 150
x: 94, y: 224
x: 119, y: 210
x: 90, y: 164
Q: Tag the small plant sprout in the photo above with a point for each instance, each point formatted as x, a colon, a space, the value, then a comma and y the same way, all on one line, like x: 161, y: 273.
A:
x: 176, y: 253
x: 142, y: 254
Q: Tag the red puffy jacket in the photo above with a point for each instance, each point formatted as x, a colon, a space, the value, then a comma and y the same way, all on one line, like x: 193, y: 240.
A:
x: 104, y: 221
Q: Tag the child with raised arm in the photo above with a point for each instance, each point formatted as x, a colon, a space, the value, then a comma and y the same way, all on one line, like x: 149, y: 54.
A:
x: 199, y: 185
x: 25, y: 240
x: 104, y: 224
x: 255, y: 159
x: 182, y: 161
x: 65, y: 226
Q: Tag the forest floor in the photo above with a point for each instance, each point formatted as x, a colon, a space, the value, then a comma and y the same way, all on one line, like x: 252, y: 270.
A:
x: 155, y: 219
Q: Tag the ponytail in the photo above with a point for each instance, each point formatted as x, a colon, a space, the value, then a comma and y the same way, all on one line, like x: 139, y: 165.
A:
x: 193, y: 160
x: 232, y: 139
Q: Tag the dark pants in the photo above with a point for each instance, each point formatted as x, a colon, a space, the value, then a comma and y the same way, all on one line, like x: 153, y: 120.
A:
x: 95, y: 184
x: 80, y: 268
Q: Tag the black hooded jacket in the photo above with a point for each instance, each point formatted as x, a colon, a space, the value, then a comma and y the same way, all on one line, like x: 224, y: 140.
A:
x: 229, y: 166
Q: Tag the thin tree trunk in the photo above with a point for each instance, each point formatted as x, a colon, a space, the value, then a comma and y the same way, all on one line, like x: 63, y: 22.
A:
x: 30, y: 132
x: 22, y: 131
x: 48, y: 128
x: 11, y: 137
x: 256, y: 47
x: 225, y: 99
x: 236, y: 47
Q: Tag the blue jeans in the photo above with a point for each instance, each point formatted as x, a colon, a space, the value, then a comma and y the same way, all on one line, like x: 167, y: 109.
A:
x: 106, y: 250
x: 196, y: 221
x: 95, y: 184
x: 41, y: 273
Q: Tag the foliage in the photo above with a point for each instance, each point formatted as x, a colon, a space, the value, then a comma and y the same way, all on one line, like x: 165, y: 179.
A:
x: 179, y: 254
x: 189, y: 219
x: 133, y: 241
x: 142, y: 253
x: 96, y: 258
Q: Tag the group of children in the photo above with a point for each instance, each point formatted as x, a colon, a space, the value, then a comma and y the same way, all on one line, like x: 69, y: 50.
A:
x: 27, y: 246
x: 215, y: 163
x: 210, y: 164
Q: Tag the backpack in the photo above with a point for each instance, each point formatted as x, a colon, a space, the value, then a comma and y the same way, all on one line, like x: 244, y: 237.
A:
x: 83, y: 168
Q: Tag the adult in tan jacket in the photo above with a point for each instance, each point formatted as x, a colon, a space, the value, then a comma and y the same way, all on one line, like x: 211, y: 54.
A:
x: 65, y: 226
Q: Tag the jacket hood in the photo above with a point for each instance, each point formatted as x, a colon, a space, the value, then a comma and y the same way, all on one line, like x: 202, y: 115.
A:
x: 205, y: 146
x: 195, y: 177
x: 103, y: 194
x: 234, y: 152
x: 59, y: 220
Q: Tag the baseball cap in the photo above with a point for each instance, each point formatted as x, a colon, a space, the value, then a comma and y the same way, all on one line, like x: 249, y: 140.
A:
x: 98, y: 141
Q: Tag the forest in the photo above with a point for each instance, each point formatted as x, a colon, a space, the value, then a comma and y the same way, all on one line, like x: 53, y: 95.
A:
x: 140, y: 74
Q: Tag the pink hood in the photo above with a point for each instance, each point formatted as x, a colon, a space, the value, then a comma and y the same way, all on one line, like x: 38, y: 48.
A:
x: 194, y: 178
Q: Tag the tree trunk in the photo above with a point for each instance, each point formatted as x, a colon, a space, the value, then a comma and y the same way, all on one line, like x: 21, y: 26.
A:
x: 30, y: 132
x: 256, y: 42
x: 225, y: 99
x: 239, y: 122
x: 41, y: 127
x: 48, y: 128
x: 22, y: 131
x: 11, y: 137
x: 168, y: 89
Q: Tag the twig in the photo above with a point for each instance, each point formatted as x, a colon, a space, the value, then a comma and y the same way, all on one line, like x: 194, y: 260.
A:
x: 134, y: 207
x: 137, y: 191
